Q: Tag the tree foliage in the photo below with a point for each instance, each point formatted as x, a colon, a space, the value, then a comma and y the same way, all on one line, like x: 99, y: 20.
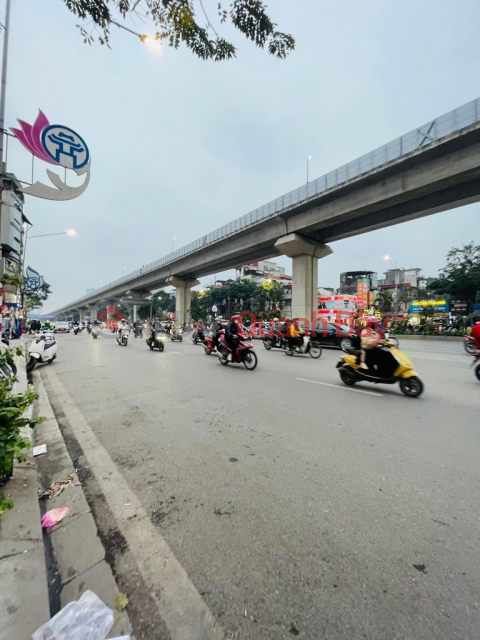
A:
x: 240, y: 295
x: 34, y: 298
x: 384, y: 300
x: 460, y: 277
x: 176, y: 22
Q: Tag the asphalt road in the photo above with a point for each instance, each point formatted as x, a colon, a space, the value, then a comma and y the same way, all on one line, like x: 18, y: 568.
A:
x: 291, y: 505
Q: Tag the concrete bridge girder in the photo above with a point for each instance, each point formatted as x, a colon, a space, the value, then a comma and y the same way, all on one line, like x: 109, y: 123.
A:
x: 444, y: 175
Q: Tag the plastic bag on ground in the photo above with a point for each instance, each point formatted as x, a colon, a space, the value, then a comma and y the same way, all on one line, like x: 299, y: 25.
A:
x: 52, y: 517
x: 84, y: 619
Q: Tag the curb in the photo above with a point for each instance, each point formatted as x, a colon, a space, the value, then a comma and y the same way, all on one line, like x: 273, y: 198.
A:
x: 24, y: 594
x: 74, y: 553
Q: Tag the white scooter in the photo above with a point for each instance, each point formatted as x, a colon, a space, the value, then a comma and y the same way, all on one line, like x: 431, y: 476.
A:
x: 123, y: 334
x: 42, y: 349
x: 96, y: 329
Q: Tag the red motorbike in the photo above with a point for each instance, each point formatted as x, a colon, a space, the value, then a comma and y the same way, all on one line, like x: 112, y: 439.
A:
x: 469, y: 345
x: 244, y: 354
x: 210, y: 343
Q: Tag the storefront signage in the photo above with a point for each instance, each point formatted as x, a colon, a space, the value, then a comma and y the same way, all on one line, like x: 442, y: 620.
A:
x: 438, y: 305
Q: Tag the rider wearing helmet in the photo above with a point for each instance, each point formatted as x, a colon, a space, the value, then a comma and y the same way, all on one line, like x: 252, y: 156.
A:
x: 232, y: 337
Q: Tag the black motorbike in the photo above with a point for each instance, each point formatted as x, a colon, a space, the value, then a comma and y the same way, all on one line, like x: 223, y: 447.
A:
x: 198, y: 335
x: 156, y: 341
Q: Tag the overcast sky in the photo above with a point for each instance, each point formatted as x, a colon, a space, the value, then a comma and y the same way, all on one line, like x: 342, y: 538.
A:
x: 180, y: 146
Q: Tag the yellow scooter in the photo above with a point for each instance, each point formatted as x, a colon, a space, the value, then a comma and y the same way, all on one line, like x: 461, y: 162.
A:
x: 385, y: 365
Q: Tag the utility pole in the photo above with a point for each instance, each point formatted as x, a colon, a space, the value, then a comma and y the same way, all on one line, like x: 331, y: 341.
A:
x: 3, y: 90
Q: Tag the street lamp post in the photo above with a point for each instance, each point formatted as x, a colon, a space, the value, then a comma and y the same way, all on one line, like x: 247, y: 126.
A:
x: 308, y: 161
x: 159, y: 295
x: 6, y: 33
x: 173, y: 240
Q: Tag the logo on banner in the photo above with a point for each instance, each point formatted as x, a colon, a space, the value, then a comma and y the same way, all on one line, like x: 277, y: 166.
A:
x: 57, y: 145
x: 33, y: 279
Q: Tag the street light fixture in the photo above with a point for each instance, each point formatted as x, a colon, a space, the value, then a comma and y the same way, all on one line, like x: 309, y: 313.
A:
x: 69, y: 232
x: 152, y: 43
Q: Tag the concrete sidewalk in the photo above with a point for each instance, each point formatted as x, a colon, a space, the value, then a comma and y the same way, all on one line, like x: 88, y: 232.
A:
x: 41, y: 572
x: 24, y: 593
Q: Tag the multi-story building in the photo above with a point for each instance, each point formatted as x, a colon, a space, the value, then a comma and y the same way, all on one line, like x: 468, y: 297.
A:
x: 262, y: 271
x: 402, y: 278
x: 349, y: 281
x: 13, y: 225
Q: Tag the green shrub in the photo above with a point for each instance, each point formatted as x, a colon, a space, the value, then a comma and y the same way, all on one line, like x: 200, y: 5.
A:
x: 13, y: 407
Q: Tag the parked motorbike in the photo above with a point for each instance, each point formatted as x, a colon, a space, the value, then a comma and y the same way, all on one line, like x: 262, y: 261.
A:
x: 156, y: 341
x: 9, y: 369
x: 43, y: 349
x: 385, y: 365
x: 122, y: 337
x: 244, y: 353
x: 309, y: 346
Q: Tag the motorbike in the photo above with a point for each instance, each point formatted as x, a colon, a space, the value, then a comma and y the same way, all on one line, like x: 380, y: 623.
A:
x: 469, y: 345
x: 274, y: 342
x: 9, y: 369
x: 43, y: 349
x: 385, y: 365
x: 122, y: 337
x: 244, y: 353
x: 156, y: 341
x: 476, y: 364
x: 96, y: 330
x: 198, y: 335
x: 210, y: 343
x: 309, y: 346
x: 176, y: 336
x: 76, y: 329
x: 89, y: 327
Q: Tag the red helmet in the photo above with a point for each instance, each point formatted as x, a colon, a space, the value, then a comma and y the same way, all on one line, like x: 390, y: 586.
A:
x: 236, y: 318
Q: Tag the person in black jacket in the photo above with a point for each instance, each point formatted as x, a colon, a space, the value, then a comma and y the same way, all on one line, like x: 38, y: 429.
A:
x: 232, y: 337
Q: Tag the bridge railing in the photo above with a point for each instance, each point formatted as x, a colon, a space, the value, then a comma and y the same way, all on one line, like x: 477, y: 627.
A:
x: 451, y: 122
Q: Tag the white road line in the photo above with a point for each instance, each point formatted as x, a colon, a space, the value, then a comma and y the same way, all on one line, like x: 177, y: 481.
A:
x: 337, y: 386
x: 178, y: 353
x: 433, y: 358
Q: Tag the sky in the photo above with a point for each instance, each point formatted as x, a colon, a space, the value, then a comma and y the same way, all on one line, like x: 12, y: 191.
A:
x: 181, y: 146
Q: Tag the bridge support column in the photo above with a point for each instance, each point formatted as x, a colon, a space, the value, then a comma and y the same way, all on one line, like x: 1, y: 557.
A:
x: 135, y: 308
x: 305, y: 254
x: 183, y: 297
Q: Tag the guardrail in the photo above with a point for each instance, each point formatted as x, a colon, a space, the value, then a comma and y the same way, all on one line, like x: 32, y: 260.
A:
x: 445, y: 125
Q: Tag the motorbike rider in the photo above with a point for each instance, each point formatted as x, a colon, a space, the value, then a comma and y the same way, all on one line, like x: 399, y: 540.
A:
x: 369, y: 339
x: 295, y: 339
x: 476, y: 334
x: 232, y: 337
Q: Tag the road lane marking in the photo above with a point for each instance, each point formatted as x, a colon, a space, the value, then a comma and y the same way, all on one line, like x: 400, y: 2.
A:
x: 337, y: 386
x: 179, y: 604
x: 178, y: 353
x: 434, y: 358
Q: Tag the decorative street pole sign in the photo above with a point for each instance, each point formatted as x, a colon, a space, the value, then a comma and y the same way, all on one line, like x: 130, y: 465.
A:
x: 58, y: 145
x: 33, y: 280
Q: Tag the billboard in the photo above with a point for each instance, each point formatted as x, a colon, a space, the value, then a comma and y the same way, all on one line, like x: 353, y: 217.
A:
x: 416, y: 306
x: 338, y: 308
x: 363, y: 293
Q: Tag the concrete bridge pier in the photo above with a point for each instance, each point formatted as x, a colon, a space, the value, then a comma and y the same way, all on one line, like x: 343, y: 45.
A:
x: 305, y: 254
x: 183, y: 297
